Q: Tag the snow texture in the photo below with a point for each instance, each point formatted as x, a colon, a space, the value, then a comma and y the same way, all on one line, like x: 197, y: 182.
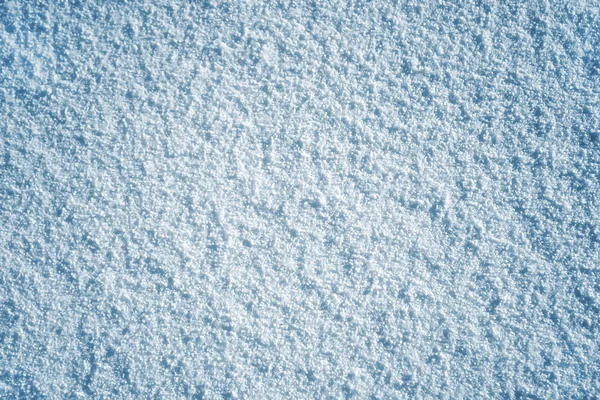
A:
x: 299, y: 199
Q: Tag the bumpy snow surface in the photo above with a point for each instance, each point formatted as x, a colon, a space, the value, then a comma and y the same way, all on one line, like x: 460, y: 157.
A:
x: 299, y: 200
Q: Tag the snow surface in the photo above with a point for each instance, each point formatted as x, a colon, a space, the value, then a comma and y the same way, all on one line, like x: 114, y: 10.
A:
x: 299, y: 199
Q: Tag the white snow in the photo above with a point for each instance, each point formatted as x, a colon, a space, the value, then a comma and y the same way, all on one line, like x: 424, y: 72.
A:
x: 293, y: 200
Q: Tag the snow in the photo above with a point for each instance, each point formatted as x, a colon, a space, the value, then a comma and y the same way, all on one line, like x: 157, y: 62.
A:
x: 293, y: 200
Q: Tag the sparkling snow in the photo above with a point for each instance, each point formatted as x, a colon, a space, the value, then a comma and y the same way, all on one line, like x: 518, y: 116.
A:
x: 299, y: 200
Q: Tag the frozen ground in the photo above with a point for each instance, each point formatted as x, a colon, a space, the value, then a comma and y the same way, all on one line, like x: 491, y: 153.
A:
x: 299, y: 200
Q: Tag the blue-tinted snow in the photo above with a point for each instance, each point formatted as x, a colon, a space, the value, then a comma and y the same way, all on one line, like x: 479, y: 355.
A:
x: 299, y: 200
